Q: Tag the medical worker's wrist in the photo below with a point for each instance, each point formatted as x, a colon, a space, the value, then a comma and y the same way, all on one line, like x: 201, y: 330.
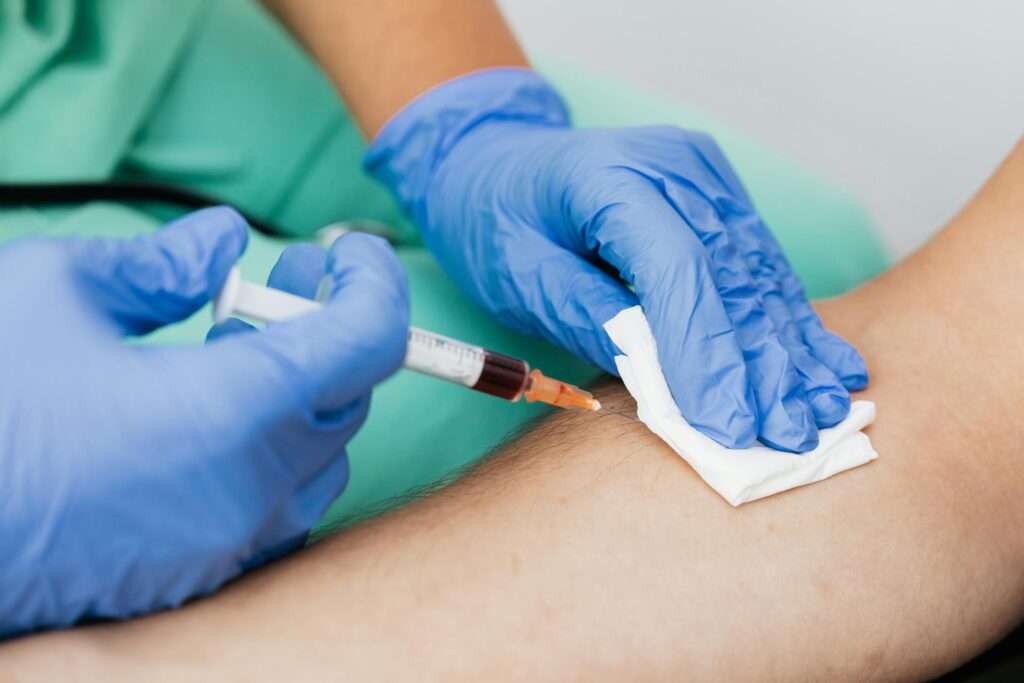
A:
x: 412, y: 145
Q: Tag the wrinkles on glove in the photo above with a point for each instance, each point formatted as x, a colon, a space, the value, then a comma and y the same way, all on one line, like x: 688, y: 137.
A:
x: 528, y: 215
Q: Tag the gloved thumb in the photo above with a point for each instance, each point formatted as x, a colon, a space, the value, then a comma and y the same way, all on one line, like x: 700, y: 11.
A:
x: 328, y: 358
x: 160, y: 278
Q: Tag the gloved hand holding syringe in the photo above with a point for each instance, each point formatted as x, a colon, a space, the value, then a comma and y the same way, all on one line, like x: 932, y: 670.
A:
x: 432, y: 354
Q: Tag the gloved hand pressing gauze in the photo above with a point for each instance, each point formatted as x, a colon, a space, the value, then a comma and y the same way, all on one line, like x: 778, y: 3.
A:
x: 739, y: 475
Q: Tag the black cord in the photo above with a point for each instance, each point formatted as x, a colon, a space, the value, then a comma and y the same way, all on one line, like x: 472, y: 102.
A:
x: 43, y: 194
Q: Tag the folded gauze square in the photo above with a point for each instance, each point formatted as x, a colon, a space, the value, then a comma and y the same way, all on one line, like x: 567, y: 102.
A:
x: 739, y: 475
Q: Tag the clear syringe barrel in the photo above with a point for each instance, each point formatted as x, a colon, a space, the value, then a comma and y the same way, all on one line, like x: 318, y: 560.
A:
x: 433, y: 354
x: 429, y: 353
x: 473, y: 366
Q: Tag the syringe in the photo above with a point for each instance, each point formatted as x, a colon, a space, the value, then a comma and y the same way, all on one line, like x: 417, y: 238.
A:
x: 429, y: 353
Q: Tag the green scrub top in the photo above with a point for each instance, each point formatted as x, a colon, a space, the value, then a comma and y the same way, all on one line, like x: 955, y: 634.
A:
x: 217, y: 97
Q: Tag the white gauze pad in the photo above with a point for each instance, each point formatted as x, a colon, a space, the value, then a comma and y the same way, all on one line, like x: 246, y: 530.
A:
x: 739, y: 475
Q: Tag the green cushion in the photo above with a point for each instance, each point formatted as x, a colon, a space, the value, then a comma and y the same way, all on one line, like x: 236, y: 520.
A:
x: 246, y: 116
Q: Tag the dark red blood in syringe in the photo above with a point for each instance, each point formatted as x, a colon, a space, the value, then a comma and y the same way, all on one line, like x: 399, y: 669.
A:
x: 502, y: 376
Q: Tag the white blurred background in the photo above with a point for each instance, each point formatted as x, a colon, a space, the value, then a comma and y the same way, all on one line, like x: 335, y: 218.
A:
x: 909, y: 104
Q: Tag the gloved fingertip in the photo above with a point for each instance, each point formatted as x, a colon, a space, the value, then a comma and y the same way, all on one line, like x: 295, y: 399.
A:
x: 229, y: 327
x: 714, y: 393
x: 850, y: 367
x: 221, y: 229
x: 370, y: 256
x: 359, y: 336
x: 836, y: 353
x: 855, y: 382
x: 234, y: 225
x: 358, y: 247
x: 787, y: 418
x: 735, y: 438
x: 797, y: 437
x: 854, y: 373
x: 232, y: 243
x: 299, y: 270
x: 200, y: 248
x: 730, y: 420
x: 830, y: 407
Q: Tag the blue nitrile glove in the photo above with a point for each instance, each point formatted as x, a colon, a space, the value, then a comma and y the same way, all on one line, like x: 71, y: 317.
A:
x: 133, y: 477
x: 527, y: 214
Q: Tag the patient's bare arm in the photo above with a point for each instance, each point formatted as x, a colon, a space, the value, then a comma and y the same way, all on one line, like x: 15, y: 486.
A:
x: 587, y: 549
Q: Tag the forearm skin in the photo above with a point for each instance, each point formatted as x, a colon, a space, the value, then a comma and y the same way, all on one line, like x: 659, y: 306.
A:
x: 380, y: 54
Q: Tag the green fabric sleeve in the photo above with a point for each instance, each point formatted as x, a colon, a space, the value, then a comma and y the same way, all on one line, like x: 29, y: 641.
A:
x: 79, y: 78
